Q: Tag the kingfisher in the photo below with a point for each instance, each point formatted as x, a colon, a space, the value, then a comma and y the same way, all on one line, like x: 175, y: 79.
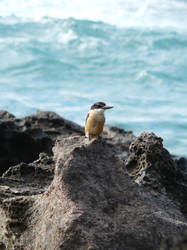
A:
x: 95, y: 120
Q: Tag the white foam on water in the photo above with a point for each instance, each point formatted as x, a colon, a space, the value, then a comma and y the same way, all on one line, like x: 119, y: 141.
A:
x: 67, y: 37
x: 16, y: 40
x: 148, y: 13
x: 36, y: 38
x: 91, y: 43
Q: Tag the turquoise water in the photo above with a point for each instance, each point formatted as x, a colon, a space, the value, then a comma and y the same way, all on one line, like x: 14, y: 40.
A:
x: 64, y: 55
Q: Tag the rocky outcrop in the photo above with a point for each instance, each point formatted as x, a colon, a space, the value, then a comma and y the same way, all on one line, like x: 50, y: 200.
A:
x: 22, y: 140
x: 151, y: 165
x: 19, y: 186
x: 6, y: 115
x: 175, y: 243
x: 83, y: 196
x: 119, y: 139
x: 28, y: 179
x: 90, y: 204
x: 53, y: 125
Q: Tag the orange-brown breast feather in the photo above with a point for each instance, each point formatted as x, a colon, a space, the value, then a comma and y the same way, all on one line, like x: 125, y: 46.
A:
x: 94, y: 125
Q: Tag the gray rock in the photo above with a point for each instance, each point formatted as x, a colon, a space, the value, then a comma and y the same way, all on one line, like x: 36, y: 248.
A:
x: 151, y: 165
x: 27, y: 179
x: 22, y: 140
x: 19, y: 186
x: 53, y: 125
x: 181, y: 163
x: 91, y: 204
x: 6, y: 115
x: 19, y: 144
x: 175, y: 243
x: 119, y: 139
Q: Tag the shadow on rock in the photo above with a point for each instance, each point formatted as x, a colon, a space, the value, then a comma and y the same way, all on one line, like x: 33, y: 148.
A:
x: 22, y: 140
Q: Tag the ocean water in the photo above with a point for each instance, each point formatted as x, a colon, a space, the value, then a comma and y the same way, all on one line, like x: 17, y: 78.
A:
x: 63, y: 56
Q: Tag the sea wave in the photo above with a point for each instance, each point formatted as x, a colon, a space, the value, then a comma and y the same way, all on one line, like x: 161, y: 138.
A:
x: 131, y: 55
x: 129, y: 13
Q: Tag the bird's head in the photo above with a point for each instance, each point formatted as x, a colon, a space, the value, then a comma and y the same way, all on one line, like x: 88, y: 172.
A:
x: 100, y: 105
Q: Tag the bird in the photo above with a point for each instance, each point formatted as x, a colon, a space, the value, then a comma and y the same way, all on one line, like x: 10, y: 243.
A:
x: 95, y: 120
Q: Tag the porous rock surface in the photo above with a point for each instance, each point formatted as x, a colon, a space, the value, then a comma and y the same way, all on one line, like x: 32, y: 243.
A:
x: 19, y: 186
x: 151, y: 165
x: 175, y: 243
x: 91, y: 204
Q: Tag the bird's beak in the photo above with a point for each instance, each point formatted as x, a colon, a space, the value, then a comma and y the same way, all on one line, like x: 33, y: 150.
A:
x: 107, y: 107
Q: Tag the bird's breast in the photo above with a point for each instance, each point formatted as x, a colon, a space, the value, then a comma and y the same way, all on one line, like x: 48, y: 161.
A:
x: 94, y: 124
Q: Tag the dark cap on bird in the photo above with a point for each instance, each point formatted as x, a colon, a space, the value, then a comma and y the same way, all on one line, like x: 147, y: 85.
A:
x: 100, y: 105
x: 95, y: 119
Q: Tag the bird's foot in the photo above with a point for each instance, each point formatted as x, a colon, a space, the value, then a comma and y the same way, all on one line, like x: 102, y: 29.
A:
x: 88, y: 137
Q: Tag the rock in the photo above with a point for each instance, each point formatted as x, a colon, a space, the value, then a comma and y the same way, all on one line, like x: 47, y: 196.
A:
x: 27, y: 179
x: 53, y: 125
x: 175, y: 243
x: 150, y: 164
x: 18, y: 188
x: 120, y: 139
x: 19, y: 144
x: 6, y: 115
x: 22, y: 140
x: 90, y: 204
x: 181, y: 163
